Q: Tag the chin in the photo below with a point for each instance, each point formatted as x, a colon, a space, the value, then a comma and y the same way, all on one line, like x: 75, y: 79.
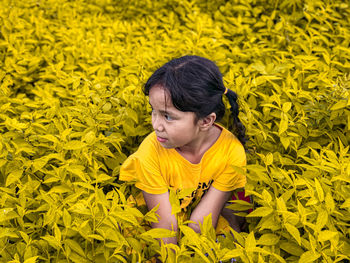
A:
x: 167, y: 146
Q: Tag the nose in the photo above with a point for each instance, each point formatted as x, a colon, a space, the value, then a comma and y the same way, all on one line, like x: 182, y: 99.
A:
x: 157, y: 123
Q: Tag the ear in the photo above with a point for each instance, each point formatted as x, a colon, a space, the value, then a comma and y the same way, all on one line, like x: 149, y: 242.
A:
x: 206, y: 122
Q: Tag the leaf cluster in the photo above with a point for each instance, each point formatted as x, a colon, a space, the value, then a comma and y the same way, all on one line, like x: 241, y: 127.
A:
x: 72, y: 110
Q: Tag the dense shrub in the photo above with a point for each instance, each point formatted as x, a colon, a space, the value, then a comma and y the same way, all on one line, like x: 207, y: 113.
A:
x: 71, y: 110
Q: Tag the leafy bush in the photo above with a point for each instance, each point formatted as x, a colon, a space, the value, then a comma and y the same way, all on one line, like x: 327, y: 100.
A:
x: 72, y: 109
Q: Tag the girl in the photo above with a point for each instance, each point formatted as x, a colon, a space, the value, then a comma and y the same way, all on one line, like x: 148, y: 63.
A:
x: 188, y: 149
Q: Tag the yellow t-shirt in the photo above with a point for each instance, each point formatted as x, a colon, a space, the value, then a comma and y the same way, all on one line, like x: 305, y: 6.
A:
x: 156, y: 169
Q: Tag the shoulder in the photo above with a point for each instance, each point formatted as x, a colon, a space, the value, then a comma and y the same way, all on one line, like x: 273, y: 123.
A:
x: 147, y: 151
x: 232, y: 147
x: 150, y: 143
x: 144, y: 159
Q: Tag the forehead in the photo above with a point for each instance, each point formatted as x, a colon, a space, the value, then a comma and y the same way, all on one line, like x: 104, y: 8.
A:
x: 160, y: 97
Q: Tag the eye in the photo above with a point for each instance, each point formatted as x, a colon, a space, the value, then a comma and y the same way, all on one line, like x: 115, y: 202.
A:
x: 167, y: 117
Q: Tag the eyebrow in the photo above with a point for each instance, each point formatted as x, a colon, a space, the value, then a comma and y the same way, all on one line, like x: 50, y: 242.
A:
x: 163, y: 111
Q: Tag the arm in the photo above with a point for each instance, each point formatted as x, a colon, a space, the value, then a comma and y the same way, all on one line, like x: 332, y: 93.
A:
x: 212, y: 202
x: 166, y: 220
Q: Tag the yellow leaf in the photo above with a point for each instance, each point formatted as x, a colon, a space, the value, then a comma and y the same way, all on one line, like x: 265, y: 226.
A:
x: 326, y: 235
x: 291, y: 248
x: 268, y: 240
x: 294, y: 232
x: 322, y: 219
x: 159, y: 233
x: 25, y: 237
x: 174, y: 201
x: 74, y: 245
x: 269, y: 159
x: 285, y: 142
x: 107, y: 107
x: 239, y: 205
x: 52, y: 241
x: 31, y: 260
x: 339, y: 105
x: 319, y: 190
x: 78, y: 171
x: 13, y: 177
x: 309, y: 256
x: 330, y: 205
x: 346, y: 203
x: 261, y: 212
x: 132, y: 114
x: 121, y: 215
x: 74, y: 145
x: 232, y: 253
x: 250, y: 242
x: 283, y: 126
x: 89, y: 138
x: 97, y: 237
x: 286, y: 106
x: 57, y: 233
x: 67, y: 219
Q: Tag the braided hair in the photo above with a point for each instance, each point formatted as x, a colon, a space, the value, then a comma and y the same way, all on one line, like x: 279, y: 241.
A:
x: 195, y: 85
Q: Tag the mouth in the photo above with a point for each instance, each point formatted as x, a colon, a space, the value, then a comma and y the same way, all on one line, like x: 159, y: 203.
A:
x: 160, y: 139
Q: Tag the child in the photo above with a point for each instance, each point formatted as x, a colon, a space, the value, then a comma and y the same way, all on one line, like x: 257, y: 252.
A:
x: 188, y: 149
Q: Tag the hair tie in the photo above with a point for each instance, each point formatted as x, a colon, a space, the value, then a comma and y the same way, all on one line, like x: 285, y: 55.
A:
x: 225, y: 92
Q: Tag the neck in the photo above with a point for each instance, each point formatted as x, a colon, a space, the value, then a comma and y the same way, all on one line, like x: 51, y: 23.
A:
x: 204, y: 141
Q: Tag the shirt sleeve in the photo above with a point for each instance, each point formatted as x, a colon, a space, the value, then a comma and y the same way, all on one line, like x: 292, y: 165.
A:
x: 233, y: 176
x: 143, y: 167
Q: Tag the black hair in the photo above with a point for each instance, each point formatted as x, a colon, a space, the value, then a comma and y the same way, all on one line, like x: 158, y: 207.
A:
x: 195, y: 85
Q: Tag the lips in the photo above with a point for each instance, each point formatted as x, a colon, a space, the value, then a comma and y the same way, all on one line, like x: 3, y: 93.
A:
x: 160, y: 139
